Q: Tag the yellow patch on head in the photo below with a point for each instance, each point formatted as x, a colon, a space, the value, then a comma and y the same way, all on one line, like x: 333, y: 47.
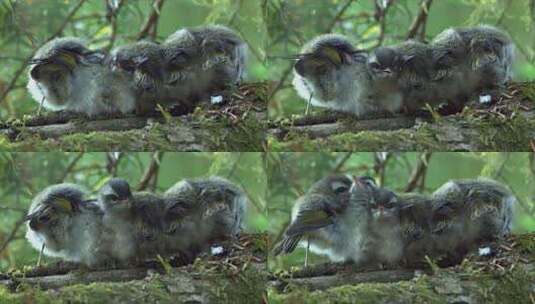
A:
x: 68, y: 58
x: 64, y: 205
x: 332, y: 54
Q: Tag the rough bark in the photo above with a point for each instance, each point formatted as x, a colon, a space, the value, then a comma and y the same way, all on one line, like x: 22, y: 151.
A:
x: 507, y: 125
x: 237, y: 125
x: 508, y: 276
x: 239, y: 276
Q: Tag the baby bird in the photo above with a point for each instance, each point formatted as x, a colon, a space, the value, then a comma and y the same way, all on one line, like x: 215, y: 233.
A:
x: 466, y: 212
x: 133, y: 220
x: 402, y: 75
x: 331, y: 73
x: 66, y: 75
x: 484, y: 55
x: 66, y: 225
x: 202, y: 60
x: 201, y: 211
x: 330, y: 222
x: 143, y: 63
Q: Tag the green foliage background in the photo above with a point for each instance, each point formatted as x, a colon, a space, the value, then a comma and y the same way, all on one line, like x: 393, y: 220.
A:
x: 25, y: 174
x: 291, y: 174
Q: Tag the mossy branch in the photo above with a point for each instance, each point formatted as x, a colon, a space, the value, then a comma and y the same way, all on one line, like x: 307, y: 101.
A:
x: 507, y: 125
x: 237, y: 125
x: 239, y: 276
x: 506, y: 276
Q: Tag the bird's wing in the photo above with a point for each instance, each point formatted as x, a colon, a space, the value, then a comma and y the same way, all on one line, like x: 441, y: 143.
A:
x: 309, y: 220
x: 286, y: 245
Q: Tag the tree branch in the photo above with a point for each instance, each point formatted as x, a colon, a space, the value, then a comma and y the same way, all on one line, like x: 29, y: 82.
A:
x: 419, y: 23
x: 152, y: 21
x: 418, y: 175
x: 151, y: 171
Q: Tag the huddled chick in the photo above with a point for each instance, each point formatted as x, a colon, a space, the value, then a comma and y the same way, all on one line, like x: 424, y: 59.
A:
x: 471, y: 210
x: 199, y: 212
x: 200, y: 61
x: 133, y: 221
x: 66, y: 75
x: 331, y: 73
x: 480, y: 59
x: 63, y: 224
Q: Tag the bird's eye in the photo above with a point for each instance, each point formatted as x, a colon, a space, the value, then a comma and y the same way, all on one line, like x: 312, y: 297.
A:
x: 44, y: 218
x: 127, y: 65
x: 112, y: 197
x: 339, y: 187
x: 375, y: 65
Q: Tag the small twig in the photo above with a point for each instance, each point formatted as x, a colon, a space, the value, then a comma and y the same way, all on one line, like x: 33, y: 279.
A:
x: 113, y: 13
x: 381, y: 160
x: 40, y: 255
x: 419, y: 23
x: 151, y: 172
x: 71, y: 166
x: 13, y: 234
x: 342, y: 162
x: 504, y: 13
x: 380, y: 16
x: 152, y: 20
x: 338, y: 16
x: 419, y: 172
x: 112, y: 162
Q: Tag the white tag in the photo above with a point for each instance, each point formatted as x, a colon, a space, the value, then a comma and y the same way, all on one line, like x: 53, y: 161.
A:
x: 216, y: 250
x: 484, y: 251
x: 216, y: 99
x: 485, y: 99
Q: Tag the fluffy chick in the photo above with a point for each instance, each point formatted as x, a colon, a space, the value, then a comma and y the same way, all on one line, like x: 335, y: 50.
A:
x: 134, y: 221
x: 331, y: 73
x: 201, y: 211
x: 199, y: 61
x: 331, y: 223
x: 66, y: 75
x: 402, y: 74
x: 67, y: 225
x: 143, y: 64
x: 472, y: 210
x: 477, y: 59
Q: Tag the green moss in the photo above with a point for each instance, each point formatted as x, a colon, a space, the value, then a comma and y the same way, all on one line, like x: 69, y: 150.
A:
x: 416, y: 291
x: 404, y: 139
x: 526, y: 244
x: 245, y: 287
x: 491, y: 133
x: 512, y: 287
